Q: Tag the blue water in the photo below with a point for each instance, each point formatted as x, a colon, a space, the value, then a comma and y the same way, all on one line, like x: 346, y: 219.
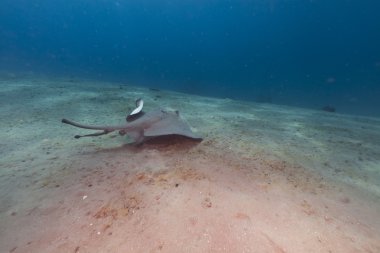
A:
x: 295, y: 52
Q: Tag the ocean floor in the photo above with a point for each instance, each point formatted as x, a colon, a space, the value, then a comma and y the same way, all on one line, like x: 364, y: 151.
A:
x: 265, y: 178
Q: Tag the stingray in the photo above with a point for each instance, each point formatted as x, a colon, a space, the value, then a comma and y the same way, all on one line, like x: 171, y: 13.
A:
x: 141, y: 126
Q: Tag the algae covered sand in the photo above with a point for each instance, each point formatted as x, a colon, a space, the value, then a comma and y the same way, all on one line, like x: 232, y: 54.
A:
x: 265, y: 178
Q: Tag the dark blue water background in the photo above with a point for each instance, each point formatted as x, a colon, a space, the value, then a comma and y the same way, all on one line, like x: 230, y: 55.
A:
x: 307, y: 53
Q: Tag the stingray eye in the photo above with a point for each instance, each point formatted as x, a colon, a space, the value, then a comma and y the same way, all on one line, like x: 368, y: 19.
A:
x: 177, y: 112
x: 122, y: 132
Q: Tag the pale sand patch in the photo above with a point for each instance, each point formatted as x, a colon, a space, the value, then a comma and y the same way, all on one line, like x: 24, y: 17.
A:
x: 265, y: 179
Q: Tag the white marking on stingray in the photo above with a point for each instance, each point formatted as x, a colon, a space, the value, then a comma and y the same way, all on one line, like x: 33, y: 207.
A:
x: 140, y: 104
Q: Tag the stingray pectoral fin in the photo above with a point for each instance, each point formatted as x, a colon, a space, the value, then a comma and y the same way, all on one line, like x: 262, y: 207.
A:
x: 170, y: 125
x: 136, y: 136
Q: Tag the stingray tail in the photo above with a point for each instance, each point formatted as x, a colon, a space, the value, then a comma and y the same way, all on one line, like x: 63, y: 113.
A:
x: 69, y: 122
x: 106, y: 129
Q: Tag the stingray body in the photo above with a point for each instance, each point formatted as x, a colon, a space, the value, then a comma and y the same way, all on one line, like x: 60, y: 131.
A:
x: 158, y: 122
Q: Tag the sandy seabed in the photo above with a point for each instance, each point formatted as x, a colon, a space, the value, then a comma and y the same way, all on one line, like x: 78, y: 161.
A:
x: 265, y: 178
